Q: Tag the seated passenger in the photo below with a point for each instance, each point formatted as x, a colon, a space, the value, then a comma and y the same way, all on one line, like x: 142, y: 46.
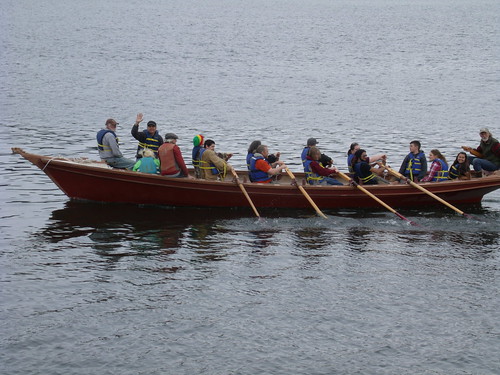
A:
x: 196, y: 154
x: 439, y: 168
x: 212, y: 165
x: 372, y: 160
x: 109, y: 149
x: 315, y: 173
x: 261, y: 171
x: 324, y: 160
x: 171, y: 161
x: 487, y: 155
x: 414, y: 166
x: 460, y: 168
x: 251, y: 151
x: 364, y: 172
x: 147, y: 163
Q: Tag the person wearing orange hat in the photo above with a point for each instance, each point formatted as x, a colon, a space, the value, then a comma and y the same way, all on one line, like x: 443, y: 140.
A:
x: 198, y: 141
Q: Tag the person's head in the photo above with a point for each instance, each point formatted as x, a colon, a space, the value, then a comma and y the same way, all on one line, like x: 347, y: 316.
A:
x: 209, y: 144
x: 198, y: 140
x: 171, y: 138
x: 359, y: 155
x: 263, y: 150
x: 253, y: 146
x: 151, y: 127
x: 111, y: 124
x: 314, y: 153
x: 436, y: 154
x: 312, y: 142
x: 485, y: 134
x: 353, y: 148
x: 461, y: 158
x: 415, y: 147
x: 148, y: 153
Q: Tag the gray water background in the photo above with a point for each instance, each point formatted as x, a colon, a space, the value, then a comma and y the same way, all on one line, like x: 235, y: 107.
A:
x: 119, y: 289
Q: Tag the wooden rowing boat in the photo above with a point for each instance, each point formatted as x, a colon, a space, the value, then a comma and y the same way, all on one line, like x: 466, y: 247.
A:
x: 83, y: 179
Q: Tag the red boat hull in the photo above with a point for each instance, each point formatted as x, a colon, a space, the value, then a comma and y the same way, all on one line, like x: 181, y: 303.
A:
x: 89, y: 181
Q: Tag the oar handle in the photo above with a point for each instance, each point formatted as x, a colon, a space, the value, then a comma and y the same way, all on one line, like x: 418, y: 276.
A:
x: 304, y: 192
x: 244, y: 191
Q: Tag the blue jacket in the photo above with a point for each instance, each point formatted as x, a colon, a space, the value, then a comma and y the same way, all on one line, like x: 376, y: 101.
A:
x: 442, y: 175
x: 256, y: 175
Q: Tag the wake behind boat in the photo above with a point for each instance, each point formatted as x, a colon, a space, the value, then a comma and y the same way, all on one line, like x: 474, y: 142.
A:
x: 84, y: 179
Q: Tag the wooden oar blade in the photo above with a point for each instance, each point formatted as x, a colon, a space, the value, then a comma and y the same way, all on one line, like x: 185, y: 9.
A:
x: 421, y: 188
x: 245, y: 193
x: 306, y: 195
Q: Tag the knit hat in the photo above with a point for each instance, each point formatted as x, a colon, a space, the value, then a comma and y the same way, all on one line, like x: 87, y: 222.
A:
x: 198, y: 140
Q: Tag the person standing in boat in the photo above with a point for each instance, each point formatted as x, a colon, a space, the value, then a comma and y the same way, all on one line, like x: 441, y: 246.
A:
x: 486, y: 157
x: 109, y: 149
x: 171, y: 161
x: 317, y: 174
x: 414, y: 165
x: 439, y: 168
x: 213, y: 166
x: 364, y: 172
x: 148, y: 138
x: 196, y: 154
x: 261, y: 171
x: 147, y: 163
x: 460, y: 169
x: 324, y: 160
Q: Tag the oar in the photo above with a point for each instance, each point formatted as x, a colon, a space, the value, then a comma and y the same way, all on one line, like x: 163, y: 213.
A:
x: 399, y: 175
x: 346, y: 177
x: 245, y: 193
x: 303, y: 191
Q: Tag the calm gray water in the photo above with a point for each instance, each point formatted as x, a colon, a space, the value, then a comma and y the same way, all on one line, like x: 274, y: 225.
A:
x: 118, y: 289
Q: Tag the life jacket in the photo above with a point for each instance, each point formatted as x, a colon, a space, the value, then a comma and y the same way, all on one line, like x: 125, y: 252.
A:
x: 349, y: 163
x: 196, y: 156
x: 151, y: 141
x: 256, y: 175
x: 148, y: 165
x: 303, y: 156
x: 414, y: 166
x: 442, y: 175
x: 249, y: 159
x: 454, y: 171
x: 367, y: 179
x: 206, y: 165
x: 100, y: 135
x: 167, y: 159
x: 311, y: 177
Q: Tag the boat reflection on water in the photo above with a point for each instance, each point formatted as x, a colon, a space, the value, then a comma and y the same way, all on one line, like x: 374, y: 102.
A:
x: 114, y: 223
x: 209, y: 233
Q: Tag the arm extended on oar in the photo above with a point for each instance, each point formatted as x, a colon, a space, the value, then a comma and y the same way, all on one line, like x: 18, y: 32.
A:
x: 472, y: 151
